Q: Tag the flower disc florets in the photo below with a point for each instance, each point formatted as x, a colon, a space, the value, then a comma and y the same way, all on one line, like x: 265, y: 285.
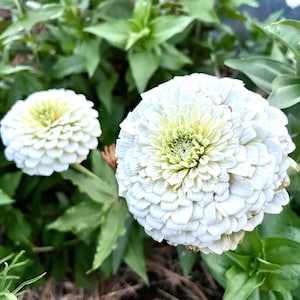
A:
x: 50, y: 130
x: 201, y: 159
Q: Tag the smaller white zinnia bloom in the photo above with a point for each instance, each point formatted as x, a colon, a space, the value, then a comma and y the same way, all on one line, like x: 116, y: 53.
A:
x: 50, y: 130
x: 292, y: 3
x: 201, y: 159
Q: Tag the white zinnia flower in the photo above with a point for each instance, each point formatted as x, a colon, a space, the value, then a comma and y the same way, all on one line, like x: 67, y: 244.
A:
x: 201, y: 159
x: 50, y: 130
x: 292, y: 3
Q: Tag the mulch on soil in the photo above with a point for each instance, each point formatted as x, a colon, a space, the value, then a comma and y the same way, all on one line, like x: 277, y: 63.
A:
x: 166, y: 282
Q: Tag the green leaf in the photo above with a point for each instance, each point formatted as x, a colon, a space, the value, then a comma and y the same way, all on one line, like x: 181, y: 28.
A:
x: 8, y: 296
x: 285, y: 253
x: 141, y: 13
x: 105, y: 89
x: 86, y: 215
x: 172, y: 59
x: 186, y: 258
x: 116, y: 9
x: 68, y: 65
x: 5, y: 199
x: 97, y: 189
x: 89, y: 50
x: 116, y: 32
x: 9, y: 182
x: 282, y: 251
x: 134, y: 256
x: 103, y: 170
x: 218, y: 266
x: 243, y: 261
x: 287, y: 32
x: 122, y: 245
x: 285, y: 225
x: 285, y: 91
x: 112, y: 228
x: 203, y: 11
x: 17, y: 228
x: 134, y: 37
x: 270, y: 295
x: 44, y: 13
x: 263, y: 266
x: 28, y: 282
x: 9, y: 69
x: 164, y: 27
x: 261, y: 70
x: 251, y: 244
x: 143, y: 64
x: 240, y: 285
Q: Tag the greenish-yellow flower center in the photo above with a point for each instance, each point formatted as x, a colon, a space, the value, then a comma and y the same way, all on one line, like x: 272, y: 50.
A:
x: 46, y: 111
x: 182, y: 148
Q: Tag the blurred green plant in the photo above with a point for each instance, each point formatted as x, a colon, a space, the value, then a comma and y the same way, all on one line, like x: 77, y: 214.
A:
x: 10, y: 289
x: 265, y: 265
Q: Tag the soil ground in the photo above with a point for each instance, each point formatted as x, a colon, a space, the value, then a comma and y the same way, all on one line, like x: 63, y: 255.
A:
x: 165, y: 277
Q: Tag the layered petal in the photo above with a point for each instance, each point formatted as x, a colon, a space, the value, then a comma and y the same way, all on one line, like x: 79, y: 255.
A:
x: 50, y: 130
x: 201, y: 159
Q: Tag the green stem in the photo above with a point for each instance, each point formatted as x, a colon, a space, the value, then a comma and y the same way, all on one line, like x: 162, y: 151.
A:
x: 46, y: 249
x: 84, y: 170
x: 19, y: 6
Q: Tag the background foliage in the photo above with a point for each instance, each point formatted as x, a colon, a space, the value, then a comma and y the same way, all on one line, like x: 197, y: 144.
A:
x: 73, y: 224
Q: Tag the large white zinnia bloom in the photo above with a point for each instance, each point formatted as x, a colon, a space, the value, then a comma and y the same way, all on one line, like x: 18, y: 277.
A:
x: 201, y: 159
x: 292, y: 3
x: 50, y: 130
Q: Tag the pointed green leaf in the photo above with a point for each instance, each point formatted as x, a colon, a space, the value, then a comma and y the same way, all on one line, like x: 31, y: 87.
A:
x: 5, y: 199
x: 288, y: 33
x: 142, y: 11
x: 202, y: 10
x: 240, y: 285
x: 105, y: 89
x: 86, y: 215
x: 122, y: 245
x: 97, y: 189
x: 134, y: 256
x: 243, y: 261
x: 18, y: 228
x: 112, y: 228
x: 28, y: 282
x: 9, y: 69
x: 68, y: 65
x: 264, y: 266
x: 186, y: 258
x: 9, y: 182
x: 172, y: 59
x: 135, y: 36
x: 143, y: 64
x: 116, y: 32
x: 251, y: 244
x: 218, y: 265
x: 261, y: 70
x: 44, y: 13
x: 285, y: 91
x: 89, y: 50
x: 164, y: 27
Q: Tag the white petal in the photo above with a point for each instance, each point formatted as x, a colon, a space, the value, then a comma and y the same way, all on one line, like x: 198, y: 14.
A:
x: 182, y: 214
x: 232, y: 205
